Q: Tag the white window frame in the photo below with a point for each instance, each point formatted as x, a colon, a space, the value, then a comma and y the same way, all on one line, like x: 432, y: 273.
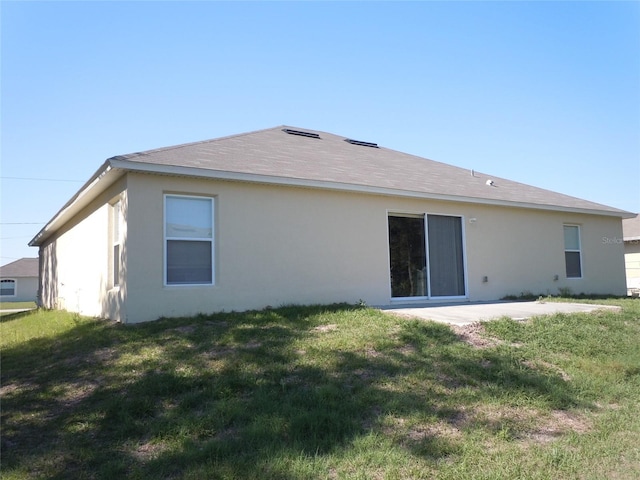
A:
x: 578, y: 250
x: 200, y: 239
x: 15, y: 287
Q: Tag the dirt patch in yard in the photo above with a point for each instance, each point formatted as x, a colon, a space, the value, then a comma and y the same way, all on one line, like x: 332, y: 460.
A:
x: 149, y: 451
x: 325, y: 328
x: 474, y: 335
x: 542, y: 365
x: 559, y: 423
x: 530, y: 426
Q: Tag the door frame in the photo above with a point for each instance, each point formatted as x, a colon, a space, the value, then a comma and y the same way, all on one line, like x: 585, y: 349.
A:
x: 429, y: 297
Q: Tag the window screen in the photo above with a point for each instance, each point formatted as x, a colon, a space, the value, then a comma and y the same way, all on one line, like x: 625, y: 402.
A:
x: 572, y: 252
x: 189, y: 240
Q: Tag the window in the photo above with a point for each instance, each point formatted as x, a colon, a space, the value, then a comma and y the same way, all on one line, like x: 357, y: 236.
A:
x: 117, y: 240
x: 7, y: 288
x: 572, y: 253
x: 188, y: 230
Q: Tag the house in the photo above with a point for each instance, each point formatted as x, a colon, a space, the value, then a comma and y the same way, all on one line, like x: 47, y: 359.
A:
x: 19, y: 281
x: 287, y: 215
x: 631, y: 239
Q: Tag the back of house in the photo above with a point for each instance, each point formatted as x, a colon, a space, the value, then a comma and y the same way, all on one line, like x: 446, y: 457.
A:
x: 296, y: 216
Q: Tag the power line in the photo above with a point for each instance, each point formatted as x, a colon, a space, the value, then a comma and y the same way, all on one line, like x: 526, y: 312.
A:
x: 42, y: 179
x: 22, y: 223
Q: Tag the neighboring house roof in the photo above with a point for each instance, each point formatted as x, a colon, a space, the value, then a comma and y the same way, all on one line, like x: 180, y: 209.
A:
x: 323, y: 160
x: 631, y: 228
x: 25, y: 267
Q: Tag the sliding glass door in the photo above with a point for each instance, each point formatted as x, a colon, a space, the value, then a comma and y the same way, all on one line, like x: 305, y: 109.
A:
x: 426, y: 257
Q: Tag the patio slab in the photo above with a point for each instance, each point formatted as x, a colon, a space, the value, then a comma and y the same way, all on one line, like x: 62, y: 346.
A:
x: 468, y: 313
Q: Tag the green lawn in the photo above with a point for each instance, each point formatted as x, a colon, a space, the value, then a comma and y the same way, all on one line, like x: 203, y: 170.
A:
x: 321, y: 392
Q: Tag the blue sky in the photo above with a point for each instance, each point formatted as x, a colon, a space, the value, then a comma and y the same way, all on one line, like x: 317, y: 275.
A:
x: 544, y: 93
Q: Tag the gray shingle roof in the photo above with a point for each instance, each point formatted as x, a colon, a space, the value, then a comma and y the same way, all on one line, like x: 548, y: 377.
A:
x: 631, y: 228
x: 25, y: 267
x: 330, y: 161
x: 275, y: 157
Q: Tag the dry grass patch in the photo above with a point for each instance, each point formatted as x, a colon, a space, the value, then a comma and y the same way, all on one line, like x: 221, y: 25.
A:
x: 148, y: 451
x: 543, y: 365
x: 475, y: 335
x: 71, y: 394
x: 325, y: 328
x: 557, y: 425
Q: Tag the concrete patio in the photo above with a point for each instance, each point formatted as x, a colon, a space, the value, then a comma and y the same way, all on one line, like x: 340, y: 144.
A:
x: 467, y: 313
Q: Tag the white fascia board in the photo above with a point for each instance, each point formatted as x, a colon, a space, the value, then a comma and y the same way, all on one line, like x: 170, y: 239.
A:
x: 346, y: 187
x: 96, y: 184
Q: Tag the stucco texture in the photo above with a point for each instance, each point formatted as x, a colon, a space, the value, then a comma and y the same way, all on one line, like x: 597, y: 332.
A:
x: 279, y: 245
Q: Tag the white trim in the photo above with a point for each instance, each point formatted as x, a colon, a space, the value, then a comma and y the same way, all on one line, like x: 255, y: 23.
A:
x: 115, y: 167
x: 81, y: 199
x: 15, y: 287
x: 166, y: 239
x: 330, y: 185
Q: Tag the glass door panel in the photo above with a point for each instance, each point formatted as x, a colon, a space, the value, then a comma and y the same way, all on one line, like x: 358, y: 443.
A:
x: 408, y: 258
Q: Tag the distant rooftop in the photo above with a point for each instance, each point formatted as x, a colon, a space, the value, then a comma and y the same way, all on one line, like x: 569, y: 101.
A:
x: 25, y: 267
x: 631, y: 228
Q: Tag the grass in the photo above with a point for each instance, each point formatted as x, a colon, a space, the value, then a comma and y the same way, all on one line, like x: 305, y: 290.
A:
x: 321, y: 392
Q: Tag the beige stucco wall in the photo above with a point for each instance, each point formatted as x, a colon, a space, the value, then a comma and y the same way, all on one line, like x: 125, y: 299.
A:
x: 282, y: 245
x: 632, y: 263
x: 522, y: 251
x: 76, y: 263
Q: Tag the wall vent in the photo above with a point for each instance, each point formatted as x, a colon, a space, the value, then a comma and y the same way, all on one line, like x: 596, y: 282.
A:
x: 301, y: 133
x: 362, y: 144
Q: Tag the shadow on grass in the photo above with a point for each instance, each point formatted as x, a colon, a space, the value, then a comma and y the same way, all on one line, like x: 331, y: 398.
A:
x: 239, y: 395
x: 8, y: 316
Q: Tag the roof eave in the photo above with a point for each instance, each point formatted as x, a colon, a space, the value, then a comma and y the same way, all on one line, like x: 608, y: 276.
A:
x: 115, y: 167
x: 348, y: 187
x: 100, y: 180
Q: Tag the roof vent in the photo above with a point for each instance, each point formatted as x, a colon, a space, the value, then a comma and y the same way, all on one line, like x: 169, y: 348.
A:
x: 301, y: 133
x: 362, y: 144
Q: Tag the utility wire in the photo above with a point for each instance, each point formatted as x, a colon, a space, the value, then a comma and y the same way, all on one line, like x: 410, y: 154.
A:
x: 41, y: 179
